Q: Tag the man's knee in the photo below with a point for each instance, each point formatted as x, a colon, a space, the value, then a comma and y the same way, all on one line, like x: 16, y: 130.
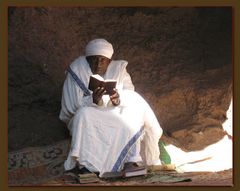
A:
x: 84, y: 111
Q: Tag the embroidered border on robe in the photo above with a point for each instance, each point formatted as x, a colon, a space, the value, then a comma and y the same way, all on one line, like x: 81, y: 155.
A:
x: 125, y: 150
x: 79, y: 82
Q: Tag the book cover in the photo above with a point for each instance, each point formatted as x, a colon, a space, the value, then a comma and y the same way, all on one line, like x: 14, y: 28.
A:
x: 97, y: 81
x: 136, y: 171
x: 88, y: 178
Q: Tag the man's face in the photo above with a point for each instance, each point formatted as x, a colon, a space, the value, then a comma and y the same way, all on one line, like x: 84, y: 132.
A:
x: 98, y: 64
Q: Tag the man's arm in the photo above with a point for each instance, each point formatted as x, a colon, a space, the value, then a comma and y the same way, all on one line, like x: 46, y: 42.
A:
x: 127, y: 81
x: 72, y: 99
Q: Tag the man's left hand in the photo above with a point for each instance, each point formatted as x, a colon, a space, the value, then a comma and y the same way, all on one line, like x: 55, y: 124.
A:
x: 115, y: 98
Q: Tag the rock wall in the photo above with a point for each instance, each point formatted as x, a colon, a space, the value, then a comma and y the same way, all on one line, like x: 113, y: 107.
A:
x: 180, y: 60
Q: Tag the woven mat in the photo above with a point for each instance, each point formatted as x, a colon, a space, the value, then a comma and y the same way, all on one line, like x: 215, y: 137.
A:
x: 44, y: 166
x: 36, y: 165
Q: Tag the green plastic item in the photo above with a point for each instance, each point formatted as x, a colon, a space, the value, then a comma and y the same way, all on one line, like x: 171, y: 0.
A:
x: 164, y: 155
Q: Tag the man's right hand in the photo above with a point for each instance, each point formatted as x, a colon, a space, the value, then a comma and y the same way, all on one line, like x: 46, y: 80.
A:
x: 97, y: 95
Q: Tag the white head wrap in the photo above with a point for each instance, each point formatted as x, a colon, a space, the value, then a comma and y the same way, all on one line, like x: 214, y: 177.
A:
x: 99, y: 47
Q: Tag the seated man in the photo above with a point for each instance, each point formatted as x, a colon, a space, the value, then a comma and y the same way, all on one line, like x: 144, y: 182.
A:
x: 109, y: 132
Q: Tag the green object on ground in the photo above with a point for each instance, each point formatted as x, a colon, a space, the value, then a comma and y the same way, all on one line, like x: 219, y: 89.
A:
x: 164, y: 155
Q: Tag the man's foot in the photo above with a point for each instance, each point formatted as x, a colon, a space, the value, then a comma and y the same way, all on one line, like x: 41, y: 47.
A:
x: 130, y: 166
x: 77, y: 171
x: 84, y: 170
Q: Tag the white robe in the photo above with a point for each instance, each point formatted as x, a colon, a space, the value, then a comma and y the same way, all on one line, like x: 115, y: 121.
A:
x: 102, y: 137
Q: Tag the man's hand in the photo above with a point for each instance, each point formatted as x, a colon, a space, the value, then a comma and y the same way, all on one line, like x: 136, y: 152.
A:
x: 115, y: 98
x: 97, y: 95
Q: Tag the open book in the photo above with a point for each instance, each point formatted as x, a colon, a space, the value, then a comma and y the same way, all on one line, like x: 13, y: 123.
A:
x: 97, y: 81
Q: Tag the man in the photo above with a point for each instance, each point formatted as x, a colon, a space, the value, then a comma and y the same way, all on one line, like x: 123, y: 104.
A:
x: 109, y: 132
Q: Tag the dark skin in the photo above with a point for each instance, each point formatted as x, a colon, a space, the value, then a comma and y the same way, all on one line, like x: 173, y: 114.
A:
x: 99, y: 65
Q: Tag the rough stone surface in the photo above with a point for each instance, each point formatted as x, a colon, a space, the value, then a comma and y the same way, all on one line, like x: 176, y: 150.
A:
x: 180, y: 60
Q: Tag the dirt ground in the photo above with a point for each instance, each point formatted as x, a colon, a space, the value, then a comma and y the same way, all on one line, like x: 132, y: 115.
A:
x: 221, y: 178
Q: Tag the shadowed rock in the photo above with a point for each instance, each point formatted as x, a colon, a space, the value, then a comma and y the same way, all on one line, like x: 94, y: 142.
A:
x: 180, y: 60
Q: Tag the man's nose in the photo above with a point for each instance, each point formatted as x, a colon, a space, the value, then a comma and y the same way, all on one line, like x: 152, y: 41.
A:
x: 99, y: 63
